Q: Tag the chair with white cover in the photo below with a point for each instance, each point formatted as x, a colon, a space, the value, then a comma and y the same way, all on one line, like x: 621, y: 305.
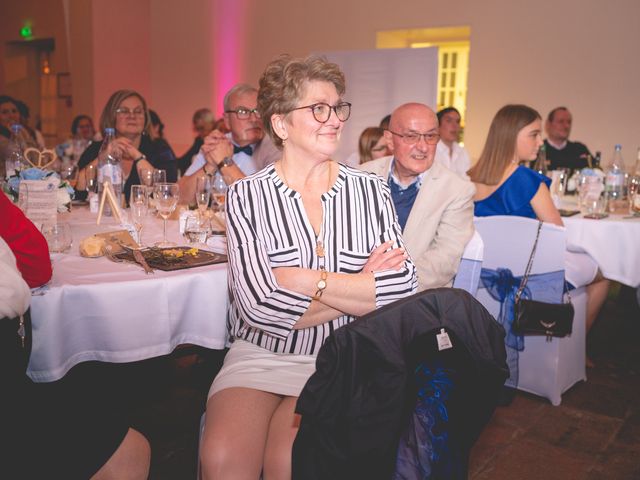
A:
x: 468, y: 274
x: 545, y: 368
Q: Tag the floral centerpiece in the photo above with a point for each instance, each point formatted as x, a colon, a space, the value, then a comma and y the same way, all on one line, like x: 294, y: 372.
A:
x: 64, y: 193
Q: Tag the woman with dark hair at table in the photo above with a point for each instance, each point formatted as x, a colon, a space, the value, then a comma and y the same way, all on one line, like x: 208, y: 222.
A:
x: 505, y: 188
x: 126, y: 111
x: 312, y: 244
x: 50, y: 432
x: 160, y: 144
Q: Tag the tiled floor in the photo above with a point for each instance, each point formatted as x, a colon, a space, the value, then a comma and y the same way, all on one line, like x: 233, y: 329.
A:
x: 594, y: 434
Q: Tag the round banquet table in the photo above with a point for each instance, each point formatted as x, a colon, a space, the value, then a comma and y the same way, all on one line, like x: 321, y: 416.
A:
x: 95, y: 309
x: 613, y: 242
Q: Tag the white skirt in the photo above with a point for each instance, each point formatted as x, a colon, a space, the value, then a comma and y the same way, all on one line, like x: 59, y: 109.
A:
x: 250, y: 366
x: 579, y: 268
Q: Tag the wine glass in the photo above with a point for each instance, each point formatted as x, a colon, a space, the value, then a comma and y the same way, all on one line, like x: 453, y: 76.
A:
x: 159, y: 176
x: 91, y: 178
x: 219, y: 191
x: 139, y: 205
x: 23, y: 196
x: 146, y: 177
x: 203, y: 193
x: 166, y: 197
x: 634, y: 194
x: 69, y: 173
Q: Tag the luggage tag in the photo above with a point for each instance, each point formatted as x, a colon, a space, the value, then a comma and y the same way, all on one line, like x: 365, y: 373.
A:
x: 444, y: 342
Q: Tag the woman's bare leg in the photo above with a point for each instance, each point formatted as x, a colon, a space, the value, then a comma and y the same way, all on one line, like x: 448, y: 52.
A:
x: 235, y: 433
x: 129, y: 462
x: 597, y: 292
x: 282, y: 432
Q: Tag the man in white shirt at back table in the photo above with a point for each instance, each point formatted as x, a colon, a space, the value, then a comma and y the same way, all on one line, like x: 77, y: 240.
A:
x: 241, y: 152
x: 449, y: 152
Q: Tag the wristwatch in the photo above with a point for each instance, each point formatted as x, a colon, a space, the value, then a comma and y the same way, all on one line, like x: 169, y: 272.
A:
x: 226, y: 162
x: 321, y: 285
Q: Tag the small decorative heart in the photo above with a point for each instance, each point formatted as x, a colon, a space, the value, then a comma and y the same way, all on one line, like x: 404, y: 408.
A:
x: 41, y: 157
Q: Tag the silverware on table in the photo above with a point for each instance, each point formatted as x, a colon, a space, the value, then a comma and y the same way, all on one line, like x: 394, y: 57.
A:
x: 137, y: 254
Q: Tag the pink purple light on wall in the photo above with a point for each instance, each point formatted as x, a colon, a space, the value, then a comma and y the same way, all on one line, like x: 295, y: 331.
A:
x: 230, y: 24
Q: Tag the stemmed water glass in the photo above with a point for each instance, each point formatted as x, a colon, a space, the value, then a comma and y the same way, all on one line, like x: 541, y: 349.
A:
x: 219, y: 191
x: 139, y: 205
x: 159, y: 176
x: 633, y: 188
x: 203, y: 194
x: 90, y: 178
x: 166, y: 198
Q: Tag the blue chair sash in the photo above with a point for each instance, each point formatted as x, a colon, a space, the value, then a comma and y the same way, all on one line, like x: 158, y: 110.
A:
x: 502, y: 286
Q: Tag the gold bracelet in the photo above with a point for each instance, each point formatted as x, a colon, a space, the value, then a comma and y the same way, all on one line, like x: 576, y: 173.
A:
x: 321, y: 285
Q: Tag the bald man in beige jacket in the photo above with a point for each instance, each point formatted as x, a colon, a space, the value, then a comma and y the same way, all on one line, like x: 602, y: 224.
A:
x: 439, y: 223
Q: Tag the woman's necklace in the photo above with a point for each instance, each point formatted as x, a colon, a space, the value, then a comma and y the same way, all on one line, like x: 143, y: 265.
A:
x: 284, y: 176
x: 319, y: 246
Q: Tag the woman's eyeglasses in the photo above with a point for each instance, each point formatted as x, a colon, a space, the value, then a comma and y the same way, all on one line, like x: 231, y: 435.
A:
x: 322, y: 111
x: 413, y: 138
x: 125, y: 112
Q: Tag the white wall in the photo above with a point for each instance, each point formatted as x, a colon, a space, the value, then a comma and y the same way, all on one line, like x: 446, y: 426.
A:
x: 578, y: 53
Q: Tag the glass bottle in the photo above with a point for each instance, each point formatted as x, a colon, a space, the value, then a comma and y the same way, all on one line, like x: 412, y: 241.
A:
x: 614, y: 181
x: 109, y: 169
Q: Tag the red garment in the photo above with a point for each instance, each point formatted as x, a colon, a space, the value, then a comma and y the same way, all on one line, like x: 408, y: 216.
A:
x: 26, y: 242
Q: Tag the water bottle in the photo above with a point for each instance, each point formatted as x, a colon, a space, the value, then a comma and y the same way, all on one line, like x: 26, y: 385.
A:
x: 614, y: 181
x: 109, y: 169
x: 15, y: 152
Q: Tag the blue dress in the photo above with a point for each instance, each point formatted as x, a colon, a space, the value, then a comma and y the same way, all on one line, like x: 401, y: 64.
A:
x: 514, y: 196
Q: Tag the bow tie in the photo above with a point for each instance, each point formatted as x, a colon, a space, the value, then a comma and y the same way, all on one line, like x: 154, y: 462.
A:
x: 246, y: 149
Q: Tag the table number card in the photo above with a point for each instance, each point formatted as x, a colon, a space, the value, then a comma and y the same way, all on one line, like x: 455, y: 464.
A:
x: 109, y: 196
x: 38, y: 199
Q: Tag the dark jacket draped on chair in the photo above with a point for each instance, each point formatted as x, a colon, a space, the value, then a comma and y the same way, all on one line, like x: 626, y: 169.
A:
x: 363, y: 410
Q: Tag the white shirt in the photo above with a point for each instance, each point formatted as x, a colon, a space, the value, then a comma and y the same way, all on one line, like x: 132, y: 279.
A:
x: 246, y: 163
x: 14, y: 291
x: 457, y: 159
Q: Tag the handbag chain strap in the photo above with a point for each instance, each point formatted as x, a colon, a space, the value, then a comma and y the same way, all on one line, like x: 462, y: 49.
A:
x: 525, y: 277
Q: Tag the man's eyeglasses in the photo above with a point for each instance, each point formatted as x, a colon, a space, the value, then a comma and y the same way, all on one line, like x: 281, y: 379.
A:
x: 125, y: 112
x: 413, y: 138
x: 244, y: 113
x: 322, y: 111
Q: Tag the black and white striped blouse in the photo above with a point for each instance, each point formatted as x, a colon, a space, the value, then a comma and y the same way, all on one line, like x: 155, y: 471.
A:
x: 267, y: 227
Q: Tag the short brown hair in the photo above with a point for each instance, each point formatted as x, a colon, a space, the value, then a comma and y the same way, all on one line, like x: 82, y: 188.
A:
x: 283, y: 84
x: 500, y: 147
x: 368, y: 139
x: 108, y: 117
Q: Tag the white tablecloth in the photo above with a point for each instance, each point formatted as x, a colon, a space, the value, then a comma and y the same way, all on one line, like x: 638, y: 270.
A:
x: 613, y: 242
x: 113, y: 312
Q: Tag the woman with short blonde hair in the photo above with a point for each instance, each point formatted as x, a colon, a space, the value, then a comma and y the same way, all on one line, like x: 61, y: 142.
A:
x: 312, y: 244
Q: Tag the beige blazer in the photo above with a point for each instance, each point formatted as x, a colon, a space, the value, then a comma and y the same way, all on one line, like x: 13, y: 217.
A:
x: 440, y: 223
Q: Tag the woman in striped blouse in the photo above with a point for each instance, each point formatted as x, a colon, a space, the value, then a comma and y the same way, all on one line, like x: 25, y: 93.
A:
x: 312, y: 244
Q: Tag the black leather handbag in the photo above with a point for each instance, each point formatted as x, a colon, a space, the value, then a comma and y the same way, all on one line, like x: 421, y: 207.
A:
x: 532, y: 317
